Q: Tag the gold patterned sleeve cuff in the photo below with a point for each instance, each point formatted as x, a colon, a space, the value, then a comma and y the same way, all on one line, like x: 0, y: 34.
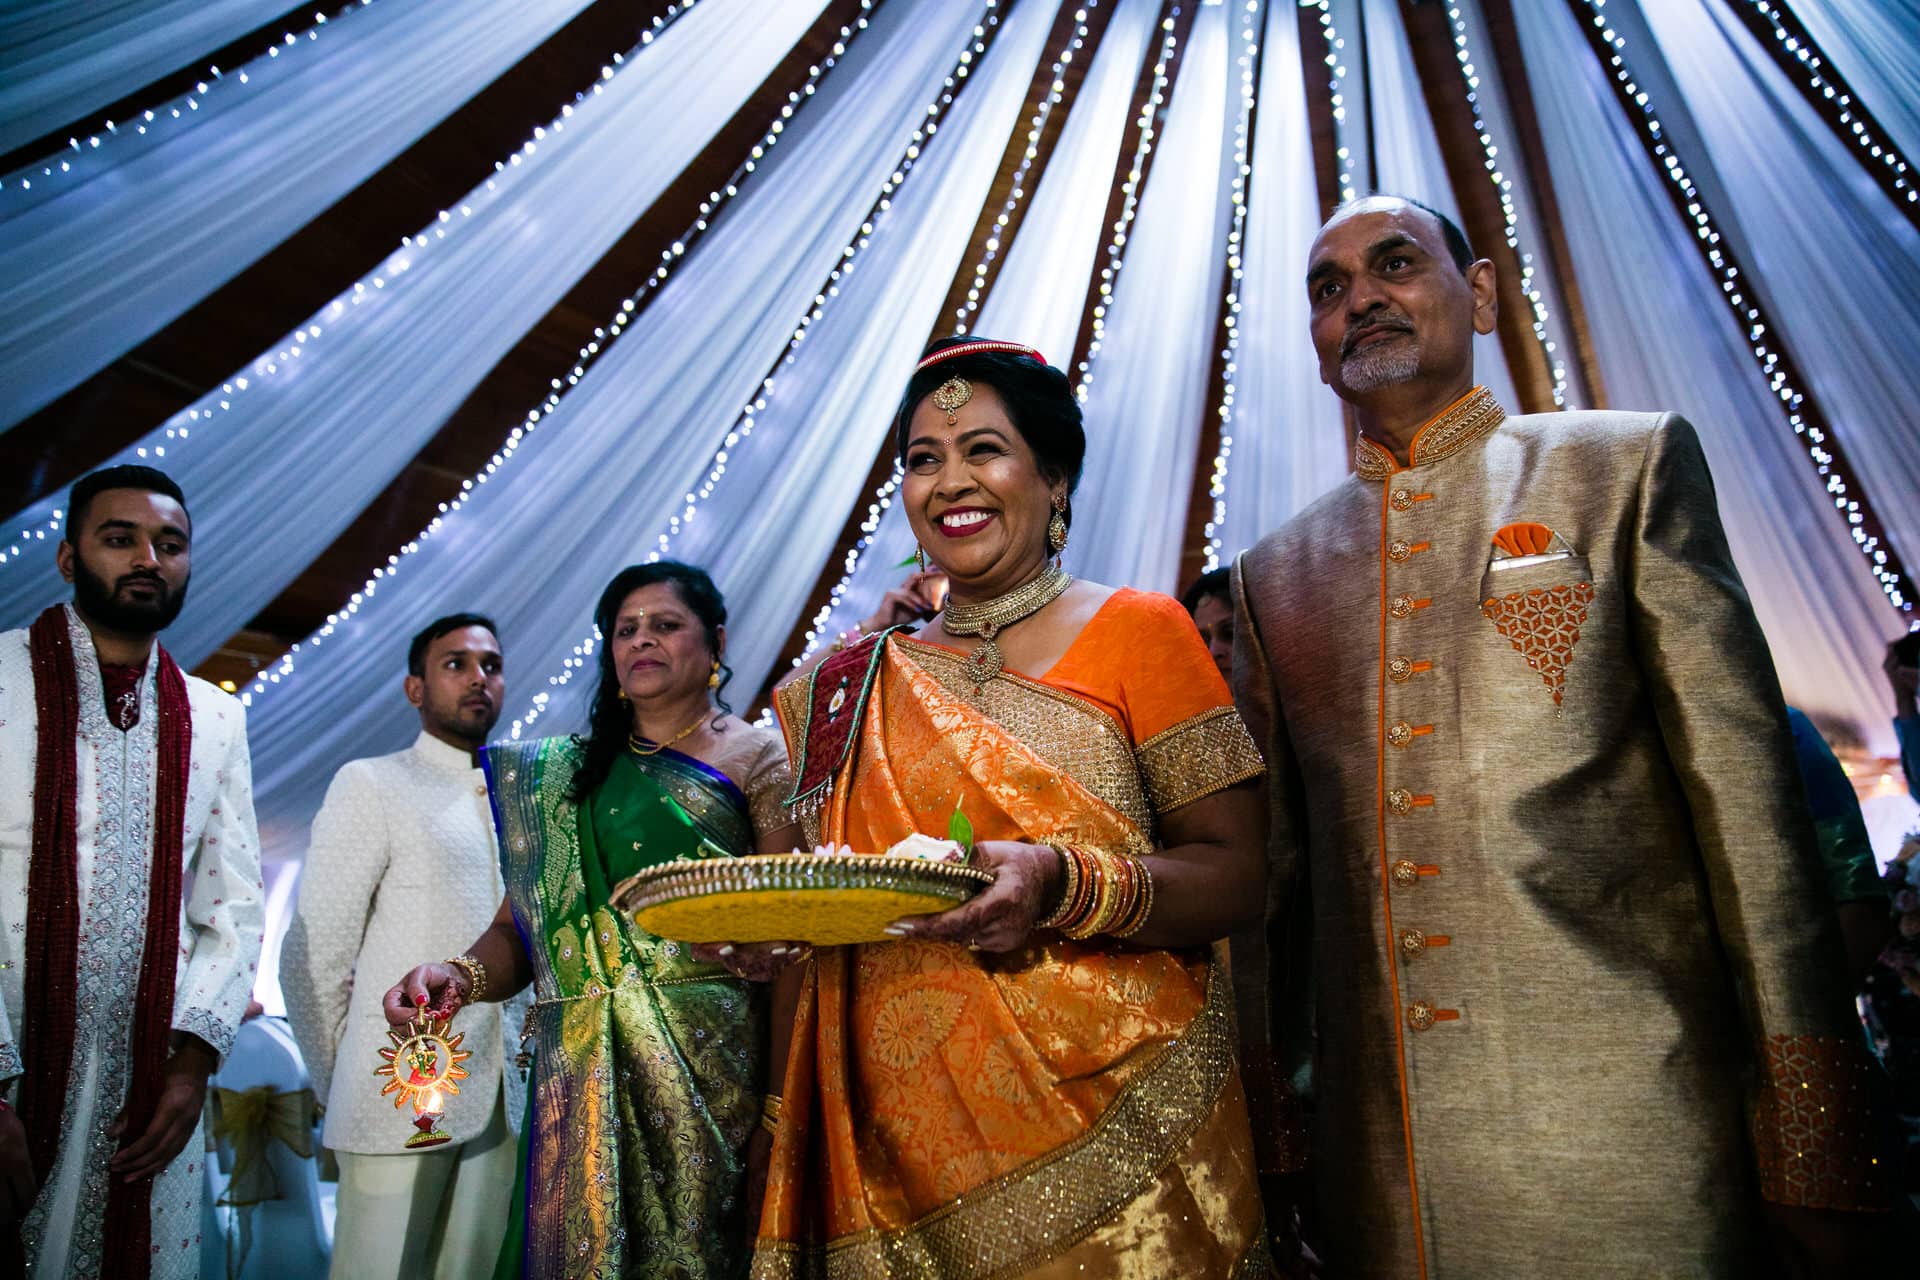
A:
x: 1197, y: 757
x: 1816, y: 1133
x: 766, y: 798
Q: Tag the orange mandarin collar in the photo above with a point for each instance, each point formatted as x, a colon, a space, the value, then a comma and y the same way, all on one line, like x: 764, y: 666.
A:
x: 1455, y: 427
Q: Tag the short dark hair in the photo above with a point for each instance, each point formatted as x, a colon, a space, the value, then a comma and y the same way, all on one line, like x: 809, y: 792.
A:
x: 95, y: 483
x: 417, y: 650
x: 1039, y: 399
x: 1212, y: 583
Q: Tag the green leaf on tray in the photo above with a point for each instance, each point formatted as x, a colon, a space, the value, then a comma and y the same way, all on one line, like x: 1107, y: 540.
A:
x: 960, y: 831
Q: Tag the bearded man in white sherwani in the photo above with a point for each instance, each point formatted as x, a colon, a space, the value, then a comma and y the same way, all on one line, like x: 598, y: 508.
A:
x: 130, y: 901
x: 402, y: 870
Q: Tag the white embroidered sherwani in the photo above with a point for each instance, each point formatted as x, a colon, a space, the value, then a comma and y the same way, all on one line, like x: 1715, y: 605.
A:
x: 1529, y: 759
x: 220, y: 926
x: 402, y: 870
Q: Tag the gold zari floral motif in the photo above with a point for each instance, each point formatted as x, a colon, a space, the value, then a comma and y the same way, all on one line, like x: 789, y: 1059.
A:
x: 1025, y: 1217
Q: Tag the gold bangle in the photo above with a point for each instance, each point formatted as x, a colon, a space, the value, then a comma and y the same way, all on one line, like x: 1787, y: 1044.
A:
x: 770, y: 1112
x: 476, y: 976
x: 1062, y: 912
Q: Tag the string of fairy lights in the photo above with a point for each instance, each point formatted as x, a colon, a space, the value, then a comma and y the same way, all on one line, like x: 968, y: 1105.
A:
x: 217, y: 84
x: 604, y: 336
x: 1056, y: 86
x: 884, y: 495
x: 1336, y: 80
x: 1803, y: 53
x: 1509, y: 214
x: 1747, y: 310
x: 1236, y: 242
x: 581, y: 657
x: 1117, y: 244
x: 180, y: 428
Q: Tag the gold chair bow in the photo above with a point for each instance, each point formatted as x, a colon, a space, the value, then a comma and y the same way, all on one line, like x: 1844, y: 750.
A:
x: 249, y: 1119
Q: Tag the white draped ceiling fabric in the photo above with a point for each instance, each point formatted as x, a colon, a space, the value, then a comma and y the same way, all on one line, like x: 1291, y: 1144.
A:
x: 63, y: 60
x: 732, y: 419
x: 315, y: 430
x: 627, y: 446
x: 120, y: 239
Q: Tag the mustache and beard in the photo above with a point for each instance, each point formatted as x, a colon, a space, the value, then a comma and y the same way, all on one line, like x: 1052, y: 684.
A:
x: 453, y: 715
x: 1382, y: 363
x: 106, y: 604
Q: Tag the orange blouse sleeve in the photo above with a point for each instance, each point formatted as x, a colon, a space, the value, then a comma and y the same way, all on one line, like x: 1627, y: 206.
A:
x: 1145, y: 658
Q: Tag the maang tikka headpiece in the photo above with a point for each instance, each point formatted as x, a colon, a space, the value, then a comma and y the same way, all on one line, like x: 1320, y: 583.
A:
x: 950, y: 395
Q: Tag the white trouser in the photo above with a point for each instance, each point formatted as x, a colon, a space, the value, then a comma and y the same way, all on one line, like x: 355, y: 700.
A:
x: 439, y: 1213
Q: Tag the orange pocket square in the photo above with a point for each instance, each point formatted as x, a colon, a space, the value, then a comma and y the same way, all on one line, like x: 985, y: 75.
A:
x: 1527, y: 543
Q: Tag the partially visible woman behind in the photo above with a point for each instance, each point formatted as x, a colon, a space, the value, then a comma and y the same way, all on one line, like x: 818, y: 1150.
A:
x: 648, y: 1065
x: 1040, y: 1082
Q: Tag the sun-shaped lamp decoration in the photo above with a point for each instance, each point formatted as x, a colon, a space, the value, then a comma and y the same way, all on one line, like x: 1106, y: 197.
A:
x: 422, y: 1067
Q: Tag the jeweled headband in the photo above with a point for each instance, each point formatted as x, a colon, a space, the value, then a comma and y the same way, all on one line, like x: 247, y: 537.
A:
x: 975, y: 348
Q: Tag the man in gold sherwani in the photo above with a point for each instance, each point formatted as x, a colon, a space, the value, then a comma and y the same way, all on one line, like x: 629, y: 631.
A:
x: 1580, y: 1000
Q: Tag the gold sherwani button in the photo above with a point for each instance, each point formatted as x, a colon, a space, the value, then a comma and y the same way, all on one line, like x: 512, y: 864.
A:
x: 1400, y: 670
x: 1404, y: 873
x: 1420, y: 1015
x: 1398, y: 550
x: 1400, y: 800
x: 1402, y: 499
x: 1412, y: 942
x: 1399, y: 734
x: 1402, y: 607
x: 480, y: 789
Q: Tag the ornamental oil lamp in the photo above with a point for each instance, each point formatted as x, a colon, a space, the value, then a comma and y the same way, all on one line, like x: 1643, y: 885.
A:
x: 423, y: 1066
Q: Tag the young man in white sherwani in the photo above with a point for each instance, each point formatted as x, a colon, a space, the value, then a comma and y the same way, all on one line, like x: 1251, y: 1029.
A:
x: 130, y: 900
x: 403, y: 869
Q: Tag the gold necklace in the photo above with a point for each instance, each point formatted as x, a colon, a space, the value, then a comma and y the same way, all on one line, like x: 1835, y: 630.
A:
x: 647, y: 747
x: 990, y: 617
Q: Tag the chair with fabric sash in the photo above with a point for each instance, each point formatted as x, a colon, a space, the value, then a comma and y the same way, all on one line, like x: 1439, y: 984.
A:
x: 266, y: 1214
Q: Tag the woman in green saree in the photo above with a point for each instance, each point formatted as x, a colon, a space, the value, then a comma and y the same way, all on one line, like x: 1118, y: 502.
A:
x: 648, y: 1065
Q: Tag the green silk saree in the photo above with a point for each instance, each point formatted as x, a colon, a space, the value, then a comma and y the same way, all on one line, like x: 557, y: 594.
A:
x: 647, y: 1065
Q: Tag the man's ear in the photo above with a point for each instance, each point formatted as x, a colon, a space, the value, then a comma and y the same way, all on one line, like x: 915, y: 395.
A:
x: 416, y: 689
x: 63, y: 556
x: 1483, y: 280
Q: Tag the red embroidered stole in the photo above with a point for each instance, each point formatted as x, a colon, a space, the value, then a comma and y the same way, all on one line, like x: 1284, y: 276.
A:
x: 53, y: 926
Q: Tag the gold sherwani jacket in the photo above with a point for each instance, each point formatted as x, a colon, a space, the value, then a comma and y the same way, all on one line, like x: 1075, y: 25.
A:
x: 1579, y: 994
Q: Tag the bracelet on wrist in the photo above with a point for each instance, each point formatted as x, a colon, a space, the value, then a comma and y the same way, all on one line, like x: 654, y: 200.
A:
x: 770, y: 1107
x: 476, y: 976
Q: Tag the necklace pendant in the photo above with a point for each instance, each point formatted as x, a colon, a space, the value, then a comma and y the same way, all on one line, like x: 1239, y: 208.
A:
x: 984, y: 664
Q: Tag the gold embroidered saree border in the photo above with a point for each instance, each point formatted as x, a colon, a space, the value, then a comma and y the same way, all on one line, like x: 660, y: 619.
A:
x: 1197, y: 757
x: 1091, y: 747
x: 1011, y: 1224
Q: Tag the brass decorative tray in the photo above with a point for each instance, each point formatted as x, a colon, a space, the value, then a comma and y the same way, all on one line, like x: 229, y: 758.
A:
x: 823, y: 899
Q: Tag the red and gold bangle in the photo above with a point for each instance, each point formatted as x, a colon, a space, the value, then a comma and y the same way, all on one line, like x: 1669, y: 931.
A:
x: 1093, y: 875
x: 1133, y: 924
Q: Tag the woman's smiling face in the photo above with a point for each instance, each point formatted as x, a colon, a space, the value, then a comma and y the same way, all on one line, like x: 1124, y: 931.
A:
x: 975, y: 494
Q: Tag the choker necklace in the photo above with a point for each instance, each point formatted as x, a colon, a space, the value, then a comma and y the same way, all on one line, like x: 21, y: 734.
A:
x: 990, y: 617
x: 648, y: 747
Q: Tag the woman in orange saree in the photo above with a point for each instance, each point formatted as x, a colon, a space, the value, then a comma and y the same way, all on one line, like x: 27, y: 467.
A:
x: 986, y: 1096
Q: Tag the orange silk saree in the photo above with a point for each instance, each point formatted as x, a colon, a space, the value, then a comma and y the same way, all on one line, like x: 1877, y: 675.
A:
x: 1070, y: 1109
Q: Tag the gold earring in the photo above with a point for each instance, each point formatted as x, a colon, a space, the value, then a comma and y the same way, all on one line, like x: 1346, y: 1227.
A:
x: 620, y: 694
x: 1057, y: 527
x: 920, y: 556
x: 713, y: 681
